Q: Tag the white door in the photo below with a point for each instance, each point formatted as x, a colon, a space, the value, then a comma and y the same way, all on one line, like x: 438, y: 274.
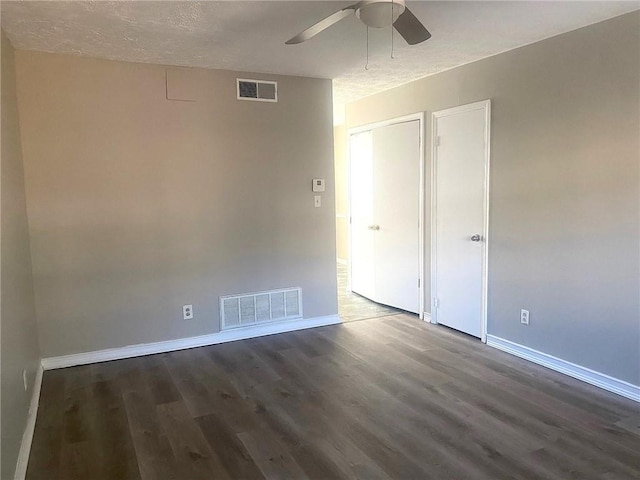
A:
x: 459, y: 223
x: 385, y: 214
x: 361, y: 207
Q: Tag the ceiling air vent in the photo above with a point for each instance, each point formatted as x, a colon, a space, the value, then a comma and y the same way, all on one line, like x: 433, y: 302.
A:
x: 257, y: 90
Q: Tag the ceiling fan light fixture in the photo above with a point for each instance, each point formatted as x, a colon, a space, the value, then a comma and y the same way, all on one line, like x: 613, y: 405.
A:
x: 376, y: 14
x: 379, y: 13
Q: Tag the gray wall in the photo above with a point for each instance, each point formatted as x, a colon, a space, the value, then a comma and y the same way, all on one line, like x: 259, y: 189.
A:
x: 19, y: 340
x: 139, y: 204
x: 564, y: 202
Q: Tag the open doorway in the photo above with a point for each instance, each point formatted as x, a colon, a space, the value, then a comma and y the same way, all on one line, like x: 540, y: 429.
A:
x: 351, y: 306
x: 379, y: 212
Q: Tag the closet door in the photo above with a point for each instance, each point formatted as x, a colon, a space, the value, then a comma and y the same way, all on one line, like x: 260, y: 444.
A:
x: 362, y: 236
x: 385, y: 195
x: 460, y: 208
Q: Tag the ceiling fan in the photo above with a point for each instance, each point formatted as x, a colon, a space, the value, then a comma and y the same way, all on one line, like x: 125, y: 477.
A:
x: 376, y: 14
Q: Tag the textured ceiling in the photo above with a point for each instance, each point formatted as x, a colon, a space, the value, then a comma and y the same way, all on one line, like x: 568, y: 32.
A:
x: 250, y: 36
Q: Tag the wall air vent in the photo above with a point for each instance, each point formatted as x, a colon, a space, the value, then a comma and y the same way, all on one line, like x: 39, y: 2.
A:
x: 262, y: 307
x: 257, y: 90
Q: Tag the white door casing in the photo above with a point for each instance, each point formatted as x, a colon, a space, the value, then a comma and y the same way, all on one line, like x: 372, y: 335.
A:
x: 459, y: 220
x: 394, y: 222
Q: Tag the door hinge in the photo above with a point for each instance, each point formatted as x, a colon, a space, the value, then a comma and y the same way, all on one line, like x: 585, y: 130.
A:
x: 418, y: 283
x: 436, y: 303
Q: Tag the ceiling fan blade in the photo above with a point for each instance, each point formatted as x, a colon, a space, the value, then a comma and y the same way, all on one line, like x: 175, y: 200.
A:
x: 410, y: 28
x: 321, y: 25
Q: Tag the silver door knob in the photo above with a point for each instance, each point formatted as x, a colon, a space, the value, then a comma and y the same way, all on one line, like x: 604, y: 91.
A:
x: 374, y: 227
x: 475, y: 238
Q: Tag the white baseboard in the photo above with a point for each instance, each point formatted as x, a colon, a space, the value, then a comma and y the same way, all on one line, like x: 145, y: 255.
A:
x: 27, y: 437
x: 426, y: 316
x: 184, y: 343
x: 587, y: 375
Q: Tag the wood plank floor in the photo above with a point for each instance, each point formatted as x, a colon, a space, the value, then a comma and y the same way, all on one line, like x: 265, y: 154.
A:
x: 386, y: 398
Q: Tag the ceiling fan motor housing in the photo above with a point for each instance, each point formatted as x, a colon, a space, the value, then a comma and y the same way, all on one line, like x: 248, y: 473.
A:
x: 379, y: 13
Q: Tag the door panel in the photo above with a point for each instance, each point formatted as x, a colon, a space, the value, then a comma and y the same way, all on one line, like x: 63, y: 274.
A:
x: 460, y: 196
x: 362, y: 238
x: 396, y: 205
x: 385, y: 195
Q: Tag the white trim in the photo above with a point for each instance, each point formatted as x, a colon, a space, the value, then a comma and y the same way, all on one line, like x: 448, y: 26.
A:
x: 486, y: 106
x: 426, y: 316
x: 184, y: 343
x: 487, y: 212
x: 587, y: 375
x: 421, y: 233
x: 420, y: 117
x: 342, y: 261
x: 385, y: 123
x: 432, y: 259
x: 27, y: 437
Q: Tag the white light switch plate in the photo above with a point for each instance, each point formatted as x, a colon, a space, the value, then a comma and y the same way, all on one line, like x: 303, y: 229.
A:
x: 317, y: 201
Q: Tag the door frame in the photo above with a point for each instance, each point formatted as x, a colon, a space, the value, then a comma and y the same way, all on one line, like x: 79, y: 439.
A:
x: 420, y: 116
x: 486, y: 106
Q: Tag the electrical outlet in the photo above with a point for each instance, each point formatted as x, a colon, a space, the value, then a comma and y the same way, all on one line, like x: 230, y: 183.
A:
x: 24, y: 379
x: 524, y: 317
x: 187, y: 312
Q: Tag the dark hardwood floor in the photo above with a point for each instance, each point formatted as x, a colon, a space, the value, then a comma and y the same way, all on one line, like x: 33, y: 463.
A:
x: 388, y: 398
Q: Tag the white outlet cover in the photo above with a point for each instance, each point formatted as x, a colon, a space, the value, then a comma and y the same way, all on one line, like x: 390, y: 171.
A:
x: 187, y: 312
